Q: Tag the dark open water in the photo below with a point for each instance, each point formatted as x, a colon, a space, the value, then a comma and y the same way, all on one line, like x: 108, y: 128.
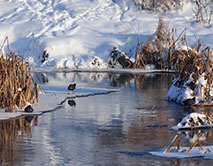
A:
x: 116, y: 129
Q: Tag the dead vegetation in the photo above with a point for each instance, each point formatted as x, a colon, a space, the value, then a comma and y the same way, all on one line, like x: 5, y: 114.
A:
x: 165, y: 51
x: 196, y: 137
x: 118, y: 58
x: 17, y: 87
x: 156, y: 49
x: 201, y: 66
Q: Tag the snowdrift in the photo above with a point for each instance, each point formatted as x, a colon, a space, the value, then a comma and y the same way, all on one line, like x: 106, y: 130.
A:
x: 80, y: 34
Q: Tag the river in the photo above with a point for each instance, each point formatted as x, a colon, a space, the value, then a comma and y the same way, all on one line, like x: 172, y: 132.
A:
x: 115, y: 129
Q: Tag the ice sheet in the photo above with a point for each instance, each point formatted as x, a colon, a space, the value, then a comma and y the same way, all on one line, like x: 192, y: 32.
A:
x: 206, y: 153
x: 54, y: 97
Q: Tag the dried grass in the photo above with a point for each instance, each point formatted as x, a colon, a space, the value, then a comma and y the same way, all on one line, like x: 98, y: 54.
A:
x: 164, y: 51
x: 17, y: 87
x: 156, y: 49
x: 191, y: 65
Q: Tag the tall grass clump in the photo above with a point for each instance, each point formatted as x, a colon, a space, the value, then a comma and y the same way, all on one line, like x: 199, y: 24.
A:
x: 156, y: 49
x: 195, y: 73
x: 17, y: 87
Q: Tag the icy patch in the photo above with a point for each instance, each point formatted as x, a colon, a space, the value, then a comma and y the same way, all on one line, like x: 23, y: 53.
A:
x: 55, y: 97
x: 206, y: 152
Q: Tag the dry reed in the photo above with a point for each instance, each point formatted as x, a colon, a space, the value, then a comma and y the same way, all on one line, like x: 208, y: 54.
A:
x: 164, y: 51
x: 17, y: 87
x: 156, y: 49
x: 191, y: 65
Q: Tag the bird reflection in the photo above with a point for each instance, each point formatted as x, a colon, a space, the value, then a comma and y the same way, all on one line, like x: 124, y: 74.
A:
x: 71, y: 102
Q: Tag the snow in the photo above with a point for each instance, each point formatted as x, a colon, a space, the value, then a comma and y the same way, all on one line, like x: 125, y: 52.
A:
x: 194, y: 120
x: 181, y: 93
x: 74, y: 33
x: 79, y: 35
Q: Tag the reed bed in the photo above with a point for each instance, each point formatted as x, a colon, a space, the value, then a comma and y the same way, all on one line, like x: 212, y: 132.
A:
x: 194, y: 65
x: 17, y: 87
x: 168, y: 51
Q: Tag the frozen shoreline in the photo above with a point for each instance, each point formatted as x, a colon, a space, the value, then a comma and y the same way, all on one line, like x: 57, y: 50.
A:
x: 56, y: 95
x: 52, y: 99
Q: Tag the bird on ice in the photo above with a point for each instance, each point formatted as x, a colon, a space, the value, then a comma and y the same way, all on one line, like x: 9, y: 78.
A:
x: 72, y: 87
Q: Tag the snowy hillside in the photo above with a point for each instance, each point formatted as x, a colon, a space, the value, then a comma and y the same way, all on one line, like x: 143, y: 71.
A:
x: 75, y: 33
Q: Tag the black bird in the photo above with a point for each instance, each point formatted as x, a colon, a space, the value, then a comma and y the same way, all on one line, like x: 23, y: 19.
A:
x: 28, y: 109
x: 72, y: 87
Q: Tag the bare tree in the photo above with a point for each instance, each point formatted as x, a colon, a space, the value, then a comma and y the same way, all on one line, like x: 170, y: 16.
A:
x: 203, y: 11
x: 159, y: 5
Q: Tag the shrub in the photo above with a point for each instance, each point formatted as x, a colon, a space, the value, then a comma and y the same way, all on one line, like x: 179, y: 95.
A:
x: 119, y: 59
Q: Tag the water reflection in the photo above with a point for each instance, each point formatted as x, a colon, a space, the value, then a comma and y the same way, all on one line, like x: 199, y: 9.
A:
x: 118, y: 80
x: 191, y: 135
x: 12, y: 131
x: 114, y: 129
x: 144, y: 81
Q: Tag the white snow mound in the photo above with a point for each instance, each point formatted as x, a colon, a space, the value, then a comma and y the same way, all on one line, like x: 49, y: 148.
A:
x: 195, y: 120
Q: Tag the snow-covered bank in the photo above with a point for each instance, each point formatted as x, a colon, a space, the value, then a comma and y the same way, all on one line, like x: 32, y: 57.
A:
x: 55, y: 97
x: 75, y: 34
x: 192, y: 91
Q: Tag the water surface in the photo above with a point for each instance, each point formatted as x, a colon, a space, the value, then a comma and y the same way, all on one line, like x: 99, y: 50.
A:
x: 116, y: 129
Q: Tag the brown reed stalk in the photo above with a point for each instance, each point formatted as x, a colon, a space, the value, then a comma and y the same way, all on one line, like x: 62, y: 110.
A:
x: 16, y: 82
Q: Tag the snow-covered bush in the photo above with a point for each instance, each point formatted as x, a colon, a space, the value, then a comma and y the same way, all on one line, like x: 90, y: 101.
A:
x: 196, y: 120
x: 119, y: 59
x: 194, y: 84
x: 97, y: 63
x: 159, y: 5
